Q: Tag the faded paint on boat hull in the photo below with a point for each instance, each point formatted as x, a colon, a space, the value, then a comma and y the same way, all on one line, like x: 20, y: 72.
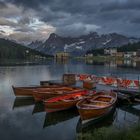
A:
x: 29, y: 91
x: 22, y: 92
x: 97, y: 106
x: 38, y: 97
x: 65, y: 102
x: 96, y: 117
x: 60, y: 106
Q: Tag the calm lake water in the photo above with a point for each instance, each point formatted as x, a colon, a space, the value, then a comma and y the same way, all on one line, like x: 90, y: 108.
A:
x: 22, y: 119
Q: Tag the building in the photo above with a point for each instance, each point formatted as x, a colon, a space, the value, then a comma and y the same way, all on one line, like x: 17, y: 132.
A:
x: 89, y: 55
x: 110, y: 51
x: 119, y: 54
x: 129, y: 55
x: 138, y: 53
x: 62, y: 55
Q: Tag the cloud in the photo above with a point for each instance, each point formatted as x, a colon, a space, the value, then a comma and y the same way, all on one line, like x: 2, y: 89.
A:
x: 121, y: 5
x: 136, y: 20
x: 6, y: 22
x: 9, y: 10
x: 70, y: 18
x: 2, y: 5
x: 77, y: 29
x: 25, y: 35
x: 22, y: 24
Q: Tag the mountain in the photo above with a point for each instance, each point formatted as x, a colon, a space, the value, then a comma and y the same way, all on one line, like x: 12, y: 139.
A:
x: 12, y: 50
x: 130, y: 47
x: 80, y: 45
x: 35, y: 44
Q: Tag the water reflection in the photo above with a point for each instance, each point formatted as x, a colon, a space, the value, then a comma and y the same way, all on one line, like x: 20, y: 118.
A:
x: 120, y: 118
x: 22, y: 102
x: 18, y: 114
x: 126, y: 63
x: 95, y: 124
x: 60, y: 116
x: 38, y: 108
x: 125, y: 119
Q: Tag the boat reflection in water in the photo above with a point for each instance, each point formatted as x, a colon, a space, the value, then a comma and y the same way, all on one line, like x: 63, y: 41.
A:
x: 38, y: 107
x: 23, y: 101
x: 126, y: 63
x: 120, y: 118
x: 54, y: 118
x: 104, y: 121
x: 127, y: 116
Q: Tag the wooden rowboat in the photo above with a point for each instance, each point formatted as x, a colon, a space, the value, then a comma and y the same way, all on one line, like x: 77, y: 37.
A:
x: 65, y: 101
x: 97, y: 106
x: 133, y: 92
x: 42, y: 95
x: 52, y: 82
x: 29, y: 91
x: 104, y: 121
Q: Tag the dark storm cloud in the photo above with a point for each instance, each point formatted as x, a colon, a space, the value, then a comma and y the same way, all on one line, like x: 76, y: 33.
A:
x: 2, y: 4
x: 75, y: 17
x: 136, y: 20
x: 122, y: 5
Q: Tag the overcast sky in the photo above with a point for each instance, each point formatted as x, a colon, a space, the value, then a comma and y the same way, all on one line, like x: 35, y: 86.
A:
x: 26, y: 20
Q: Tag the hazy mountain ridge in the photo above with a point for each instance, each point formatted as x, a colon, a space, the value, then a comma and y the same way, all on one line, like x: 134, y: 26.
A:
x: 80, y: 45
x: 12, y: 50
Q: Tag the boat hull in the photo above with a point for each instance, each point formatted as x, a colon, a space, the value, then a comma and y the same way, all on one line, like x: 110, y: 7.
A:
x: 29, y: 91
x: 59, y: 106
x: 40, y: 96
x: 97, y: 106
x: 88, y: 115
x: 22, y: 92
x: 57, y: 103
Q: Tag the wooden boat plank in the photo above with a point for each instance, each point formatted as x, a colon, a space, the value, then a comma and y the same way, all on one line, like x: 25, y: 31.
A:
x: 89, y: 110
x: 63, y: 102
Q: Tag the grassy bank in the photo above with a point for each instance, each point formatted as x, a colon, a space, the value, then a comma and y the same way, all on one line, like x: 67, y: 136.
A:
x: 101, y: 58
x: 112, y: 134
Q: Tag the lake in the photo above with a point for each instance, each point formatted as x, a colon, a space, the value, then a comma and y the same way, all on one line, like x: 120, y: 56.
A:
x: 22, y: 119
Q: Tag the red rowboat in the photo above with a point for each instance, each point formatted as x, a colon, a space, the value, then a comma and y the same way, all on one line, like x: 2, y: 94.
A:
x: 66, y: 101
x: 42, y: 95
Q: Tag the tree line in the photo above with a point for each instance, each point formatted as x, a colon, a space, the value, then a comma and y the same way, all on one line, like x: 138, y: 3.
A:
x: 12, y: 50
x: 125, y: 48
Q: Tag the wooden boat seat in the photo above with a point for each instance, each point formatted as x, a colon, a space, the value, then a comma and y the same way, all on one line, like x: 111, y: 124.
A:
x: 93, y: 106
x: 105, y: 96
x: 111, y: 100
x: 73, y: 99
x: 94, y: 101
x: 65, y: 100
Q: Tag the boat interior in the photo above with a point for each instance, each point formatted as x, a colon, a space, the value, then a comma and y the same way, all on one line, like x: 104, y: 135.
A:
x: 97, y: 102
x: 69, y: 97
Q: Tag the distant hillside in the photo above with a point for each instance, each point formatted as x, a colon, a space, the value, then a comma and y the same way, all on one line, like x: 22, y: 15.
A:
x: 129, y: 47
x: 12, y: 50
x: 77, y: 46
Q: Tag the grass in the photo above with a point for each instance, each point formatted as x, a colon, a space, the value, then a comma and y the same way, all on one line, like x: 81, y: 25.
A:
x: 101, y: 58
x: 112, y: 134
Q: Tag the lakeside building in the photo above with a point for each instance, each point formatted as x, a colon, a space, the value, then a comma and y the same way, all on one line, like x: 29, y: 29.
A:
x: 89, y: 55
x: 62, y: 55
x: 138, y: 53
x: 129, y: 55
x: 110, y: 51
x: 119, y: 54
